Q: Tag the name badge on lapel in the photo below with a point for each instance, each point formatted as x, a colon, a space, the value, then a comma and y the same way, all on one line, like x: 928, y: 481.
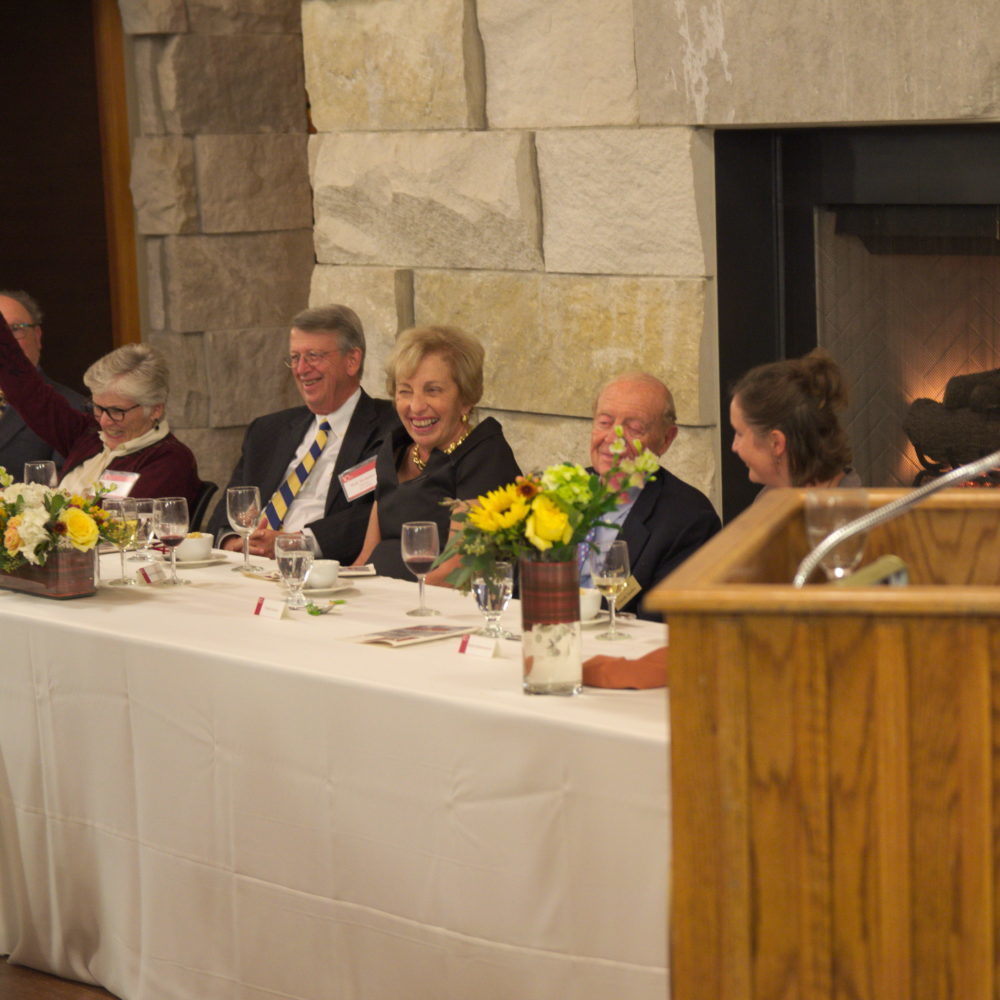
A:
x: 359, y: 480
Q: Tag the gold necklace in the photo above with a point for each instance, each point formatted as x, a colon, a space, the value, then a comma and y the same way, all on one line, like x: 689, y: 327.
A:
x: 421, y: 464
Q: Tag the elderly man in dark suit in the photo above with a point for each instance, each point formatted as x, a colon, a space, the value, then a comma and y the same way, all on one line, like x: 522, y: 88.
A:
x: 19, y: 444
x: 315, y: 464
x: 665, y: 521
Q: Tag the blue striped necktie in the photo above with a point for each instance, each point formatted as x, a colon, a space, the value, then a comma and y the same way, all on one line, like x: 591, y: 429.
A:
x: 275, y: 511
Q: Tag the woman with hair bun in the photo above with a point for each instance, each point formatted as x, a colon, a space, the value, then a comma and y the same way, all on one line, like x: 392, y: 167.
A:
x: 785, y: 424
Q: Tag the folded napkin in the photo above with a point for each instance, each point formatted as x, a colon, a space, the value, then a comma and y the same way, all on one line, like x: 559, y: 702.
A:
x: 649, y: 671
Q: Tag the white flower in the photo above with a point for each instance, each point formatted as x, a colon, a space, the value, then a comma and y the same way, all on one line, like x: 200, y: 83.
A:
x: 35, y: 494
x: 32, y: 532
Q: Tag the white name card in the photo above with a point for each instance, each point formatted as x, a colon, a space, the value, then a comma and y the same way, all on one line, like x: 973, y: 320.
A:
x: 270, y: 607
x: 479, y: 645
x: 152, y: 573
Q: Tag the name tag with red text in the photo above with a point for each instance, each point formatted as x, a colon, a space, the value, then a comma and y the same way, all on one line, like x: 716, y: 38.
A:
x: 359, y: 480
x: 121, y: 483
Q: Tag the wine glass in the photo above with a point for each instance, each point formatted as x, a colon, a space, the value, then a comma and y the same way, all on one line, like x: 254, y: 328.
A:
x: 493, y: 589
x: 295, y: 557
x: 170, y: 522
x: 144, y: 531
x: 243, y: 510
x: 610, y: 571
x: 121, y: 527
x: 43, y: 471
x: 420, y: 546
x: 827, y: 510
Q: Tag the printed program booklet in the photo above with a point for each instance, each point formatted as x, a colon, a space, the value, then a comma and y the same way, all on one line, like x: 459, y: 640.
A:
x: 414, y: 633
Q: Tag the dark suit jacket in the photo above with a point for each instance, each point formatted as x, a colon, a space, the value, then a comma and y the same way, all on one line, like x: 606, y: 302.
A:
x: 667, y: 522
x: 268, y: 447
x: 20, y: 444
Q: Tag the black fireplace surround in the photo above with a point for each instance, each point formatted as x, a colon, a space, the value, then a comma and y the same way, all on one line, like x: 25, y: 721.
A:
x: 906, y: 189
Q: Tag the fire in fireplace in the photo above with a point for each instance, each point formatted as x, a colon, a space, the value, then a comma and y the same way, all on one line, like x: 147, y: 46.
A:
x: 882, y: 244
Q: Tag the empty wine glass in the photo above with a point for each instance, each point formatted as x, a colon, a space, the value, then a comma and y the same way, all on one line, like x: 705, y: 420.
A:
x: 170, y: 522
x: 827, y: 510
x: 42, y: 471
x: 144, y: 531
x: 294, y: 556
x: 419, y: 545
x: 609, y: 569
x: 121, y: 527
x: 493, y: 590
x: 243, y: 511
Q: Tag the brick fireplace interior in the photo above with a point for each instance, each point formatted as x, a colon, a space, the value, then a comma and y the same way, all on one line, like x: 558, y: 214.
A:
x: 882, y: 245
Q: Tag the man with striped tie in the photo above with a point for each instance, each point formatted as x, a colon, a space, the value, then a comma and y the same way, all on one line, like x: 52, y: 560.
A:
x: 314, y: 464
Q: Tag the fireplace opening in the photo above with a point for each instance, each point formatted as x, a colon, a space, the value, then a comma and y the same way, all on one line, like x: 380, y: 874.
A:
x: 881, y: 244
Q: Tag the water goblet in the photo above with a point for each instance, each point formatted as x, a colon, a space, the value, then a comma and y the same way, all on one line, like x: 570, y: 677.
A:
x: 419, y: 545
x: 827, y: 510
x: 121, y: 527
x: 294, y: 556
x: 243, y: 511
x: 170, y: 522
x: 43, y: 471
x: 144, y: 531
x: 609, y: 568
x: 493, y: 590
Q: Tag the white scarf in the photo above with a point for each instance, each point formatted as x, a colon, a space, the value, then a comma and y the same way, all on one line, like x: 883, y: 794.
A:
x: 83, y: 478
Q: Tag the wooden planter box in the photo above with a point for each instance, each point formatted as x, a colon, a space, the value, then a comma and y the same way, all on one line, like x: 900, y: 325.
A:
x: 65, y: 575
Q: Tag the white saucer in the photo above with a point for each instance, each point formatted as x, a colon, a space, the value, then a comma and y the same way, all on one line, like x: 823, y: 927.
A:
x: 323, y: 591
x: 601, y: 618
x: 200, y: 563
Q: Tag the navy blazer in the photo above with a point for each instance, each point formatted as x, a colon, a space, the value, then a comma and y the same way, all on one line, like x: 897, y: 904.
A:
x: 20, y: 444
x: 269, y: 445
x: 669, y: 520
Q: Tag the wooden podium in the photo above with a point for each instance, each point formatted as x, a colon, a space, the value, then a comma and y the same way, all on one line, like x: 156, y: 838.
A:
x: 834, y: 761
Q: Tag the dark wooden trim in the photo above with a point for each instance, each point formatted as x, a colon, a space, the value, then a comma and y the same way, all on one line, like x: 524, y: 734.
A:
x: 109, y: 49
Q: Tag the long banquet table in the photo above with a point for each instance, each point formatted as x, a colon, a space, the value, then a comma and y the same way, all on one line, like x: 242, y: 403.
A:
x: 196, y: 802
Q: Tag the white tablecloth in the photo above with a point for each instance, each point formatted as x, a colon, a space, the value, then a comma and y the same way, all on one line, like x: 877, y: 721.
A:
x: 199, y: 803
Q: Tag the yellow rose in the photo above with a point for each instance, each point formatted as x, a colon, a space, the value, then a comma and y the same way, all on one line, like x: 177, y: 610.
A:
x: 81, y: 529
x: 547, y: 523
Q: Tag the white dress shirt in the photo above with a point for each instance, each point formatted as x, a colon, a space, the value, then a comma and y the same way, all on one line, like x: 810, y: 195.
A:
x: 310, y: 502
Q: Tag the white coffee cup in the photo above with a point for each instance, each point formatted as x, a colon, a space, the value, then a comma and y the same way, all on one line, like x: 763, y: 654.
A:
x: 590, y: 603
x: 324, y: 573
x: 195, y: 548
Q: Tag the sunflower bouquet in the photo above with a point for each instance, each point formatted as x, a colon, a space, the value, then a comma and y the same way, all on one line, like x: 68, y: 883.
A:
x: 542, y: 516
x: 36, y: 520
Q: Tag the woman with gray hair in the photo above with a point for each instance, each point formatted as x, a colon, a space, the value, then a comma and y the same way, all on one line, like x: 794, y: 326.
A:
x: 127, y: 439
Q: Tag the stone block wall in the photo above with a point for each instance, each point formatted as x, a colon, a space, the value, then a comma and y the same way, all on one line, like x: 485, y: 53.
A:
x: 480, y: 163
x: 223, y: 204
x: 539, y: 172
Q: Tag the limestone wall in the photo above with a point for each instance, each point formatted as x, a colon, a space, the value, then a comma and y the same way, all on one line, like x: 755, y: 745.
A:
x: 481, y: 164
x: 538, y: 171
x: 223, y: 205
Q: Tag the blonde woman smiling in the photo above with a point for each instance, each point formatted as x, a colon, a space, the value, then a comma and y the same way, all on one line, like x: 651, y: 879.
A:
x: 435, y: 376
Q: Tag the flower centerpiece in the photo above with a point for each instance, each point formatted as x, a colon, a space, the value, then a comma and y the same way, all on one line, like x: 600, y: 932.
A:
x: 540, y: 520
x: 47, y: 529
x: 543, y: 516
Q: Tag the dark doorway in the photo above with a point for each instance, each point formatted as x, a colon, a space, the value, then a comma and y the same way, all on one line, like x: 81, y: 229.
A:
x: 771, y: 188
x: 53, y: 208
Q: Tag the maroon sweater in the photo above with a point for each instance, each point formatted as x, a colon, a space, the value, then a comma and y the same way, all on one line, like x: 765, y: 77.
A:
x: 166, y: 468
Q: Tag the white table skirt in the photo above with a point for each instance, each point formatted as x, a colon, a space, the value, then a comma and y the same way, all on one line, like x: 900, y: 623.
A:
x: 199, y: 803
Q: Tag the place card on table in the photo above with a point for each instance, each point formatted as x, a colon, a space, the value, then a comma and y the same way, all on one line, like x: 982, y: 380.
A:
x: 153, y: 573
x: 479, y: 645
x: 270, y: 607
